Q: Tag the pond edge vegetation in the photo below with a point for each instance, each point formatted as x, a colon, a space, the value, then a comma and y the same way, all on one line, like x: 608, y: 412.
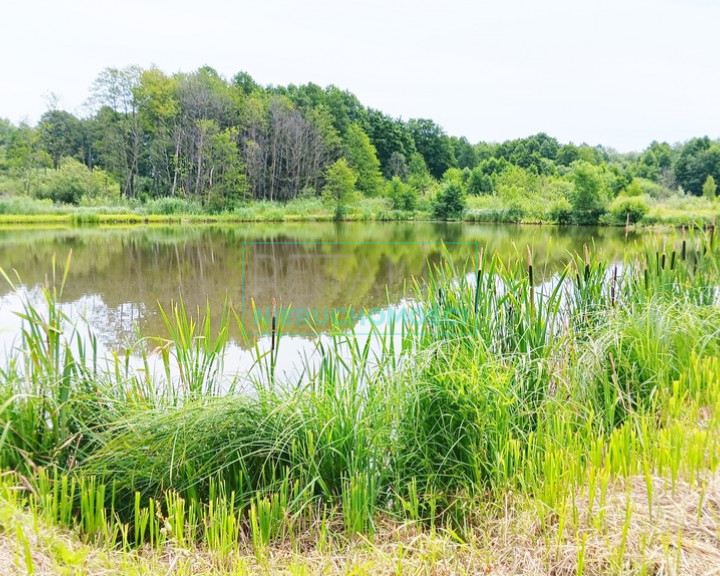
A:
x: 544, y: 402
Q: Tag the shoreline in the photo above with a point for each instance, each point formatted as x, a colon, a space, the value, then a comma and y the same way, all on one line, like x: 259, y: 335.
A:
x: 82, y: 219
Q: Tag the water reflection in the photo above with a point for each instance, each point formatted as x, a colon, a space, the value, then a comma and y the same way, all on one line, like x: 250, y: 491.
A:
x: 119, y: 276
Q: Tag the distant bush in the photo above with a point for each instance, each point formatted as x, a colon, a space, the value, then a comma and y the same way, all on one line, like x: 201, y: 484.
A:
x: 273, y: 213
x: 589, y: 197
x: 633, y: 189
x: 402, y: 196
x: 484, y: 215
x: 73, y: 183
x: 394, y: 215
x: 305, y: 205
x: 560, y: 211
x: 450, y: 203
x: 10, y: 186
x: 626, y: 208
x: 479, y: 183
x: 515, y: 210
x: 640, y: 186
x: 216, y: 203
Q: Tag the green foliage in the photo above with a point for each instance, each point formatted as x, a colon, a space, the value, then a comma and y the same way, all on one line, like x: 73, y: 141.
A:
x: 494, y: 166
x: 22, y: 154
x: 633, y: 189
x: 656, y: 163
x: 227, y: 184
x: 402, y: 196
x: 536, y: 153
x: 72, y: 183
x: 709, y: 189
x: 649, y: 188
x: 434, y: 146
x: 628, y: 208
x: 363, y: 160
x: 339, y: 187
x: 61, y: 135
x: 479, y: 182
x: 589, y: 198
x: 455, y: 175
x: 168, y: 206
x: 698, y: 159
x: 450, y: 203
x: 560, y: 211
x: 464, y: 152
x: 392, y: 140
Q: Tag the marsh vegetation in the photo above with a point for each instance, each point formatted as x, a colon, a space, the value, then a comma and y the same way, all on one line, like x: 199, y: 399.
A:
x: 574, y: 410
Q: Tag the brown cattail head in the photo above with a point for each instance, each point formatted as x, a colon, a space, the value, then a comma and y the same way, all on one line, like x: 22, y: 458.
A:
x: 273, y: 326
x: 531, y: 290
x: 612, y: 286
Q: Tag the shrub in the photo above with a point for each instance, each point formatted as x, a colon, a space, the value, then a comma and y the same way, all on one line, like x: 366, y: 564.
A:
x: 480, y: 183
x: 402, y: 196
x: 640, y: 186
x: 709, y: 189
x: 626, y: 208
x: 73, y: 182
x: 560, y: 211
x: 450, y: 203
x: 633, y: 189
x: 589, y: 197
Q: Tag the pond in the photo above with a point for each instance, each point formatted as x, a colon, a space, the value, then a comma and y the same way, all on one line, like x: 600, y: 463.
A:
x: 119, y: 277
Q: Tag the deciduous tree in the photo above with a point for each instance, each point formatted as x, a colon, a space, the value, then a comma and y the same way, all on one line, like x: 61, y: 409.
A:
x: 339, y: 186
x: 363, y: 159
x: 709, y: 188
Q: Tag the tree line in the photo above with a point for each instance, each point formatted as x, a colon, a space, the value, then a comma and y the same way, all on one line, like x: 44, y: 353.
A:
x: 224, y: 142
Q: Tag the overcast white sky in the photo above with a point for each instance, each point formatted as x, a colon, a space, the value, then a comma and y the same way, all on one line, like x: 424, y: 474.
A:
x: 615, y: 72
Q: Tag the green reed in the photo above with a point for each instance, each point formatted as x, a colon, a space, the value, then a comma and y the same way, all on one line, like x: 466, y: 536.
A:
x: 194, y: 349
x: 50, y: 387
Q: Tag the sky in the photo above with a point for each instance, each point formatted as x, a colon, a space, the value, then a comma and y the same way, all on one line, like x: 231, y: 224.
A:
x: 620, y: 73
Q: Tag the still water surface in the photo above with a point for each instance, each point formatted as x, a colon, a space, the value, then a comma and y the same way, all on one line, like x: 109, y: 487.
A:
x: 119, y: 277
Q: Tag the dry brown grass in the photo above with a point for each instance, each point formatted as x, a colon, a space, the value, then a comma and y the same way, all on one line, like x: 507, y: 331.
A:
x: 678, y: 534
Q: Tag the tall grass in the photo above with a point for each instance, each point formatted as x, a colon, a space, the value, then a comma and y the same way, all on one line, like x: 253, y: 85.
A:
x: 49, y: 390
x: 490, y: 384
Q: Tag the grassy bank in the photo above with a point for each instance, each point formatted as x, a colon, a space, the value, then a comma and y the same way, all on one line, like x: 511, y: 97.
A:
x: 676, y: 211
x: 673, y: 536
x: 575, y: 421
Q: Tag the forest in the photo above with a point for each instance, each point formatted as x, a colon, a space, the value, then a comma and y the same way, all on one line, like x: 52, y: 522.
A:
x: 197, y: 142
